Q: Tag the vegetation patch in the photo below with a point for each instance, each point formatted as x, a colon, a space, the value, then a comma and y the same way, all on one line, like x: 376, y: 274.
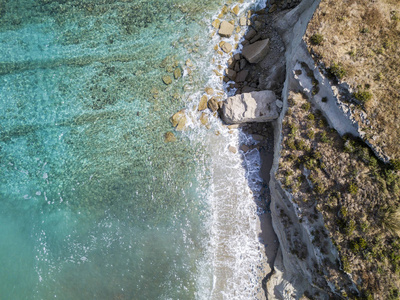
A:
x: 357, y: 195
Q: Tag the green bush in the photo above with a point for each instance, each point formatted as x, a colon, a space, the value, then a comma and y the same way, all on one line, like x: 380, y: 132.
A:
x: 311, y: 117
x: 353, y: 189
x: 306, y: 106
x: 324, y: 138
x: 395, y: 164
x: 316, y: 39
x: 363, y: 96
x: 337, y: 70
x: 311, y: 134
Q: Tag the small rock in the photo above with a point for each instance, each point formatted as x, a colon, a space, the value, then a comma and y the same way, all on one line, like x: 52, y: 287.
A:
x: 273, y: 8
x: 217, y: 133
x: 216, y: 23
x: 169, y: 137
x: 244, y: 148
x: 177, y: 73
x: 236, y: 56
x: 255, y: 38
x: 235, y: 10
x: 209, y: 90
x: 258, y: 137
x: 242, y: 75
x: 242, y: 21
x: 279, y: 103
x: 181, y: 124
x: 204, y: 119
x: 213, y: 104
x: 203, y: 103
x: 250, y: 34
x: 258, y: 25
x: 226, y: 47
x: 167, y: 79
x: 232, y: 149
x: 234, y: 126
x: 189, y: 63
x: 242, y: 64
x: 226, y: 29
x: 231, y: 74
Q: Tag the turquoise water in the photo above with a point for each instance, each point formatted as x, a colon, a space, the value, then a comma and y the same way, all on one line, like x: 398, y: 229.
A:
x: 94, y: 203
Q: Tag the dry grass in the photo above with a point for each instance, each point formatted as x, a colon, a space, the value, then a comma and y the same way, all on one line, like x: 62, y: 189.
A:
x: 364, y: 37
x: 357, y: 195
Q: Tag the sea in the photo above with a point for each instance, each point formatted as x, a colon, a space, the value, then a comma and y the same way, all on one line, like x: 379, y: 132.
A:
x: 94, y: 203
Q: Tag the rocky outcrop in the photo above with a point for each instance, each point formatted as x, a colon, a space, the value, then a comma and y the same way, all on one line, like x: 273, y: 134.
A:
x: 255, y: 52
x: 250, y: 107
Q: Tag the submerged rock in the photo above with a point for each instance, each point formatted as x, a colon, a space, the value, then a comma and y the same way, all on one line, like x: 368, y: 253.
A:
x: 250, y: 107
x: 169, y: 137
x: 167, y: 79
x: 177, y: 73
x: 178, y: 120
x: 254, y: 53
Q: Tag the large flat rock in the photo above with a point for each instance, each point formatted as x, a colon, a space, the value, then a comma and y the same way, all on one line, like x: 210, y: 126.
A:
x: 250, y: 107
x: 255, y: 52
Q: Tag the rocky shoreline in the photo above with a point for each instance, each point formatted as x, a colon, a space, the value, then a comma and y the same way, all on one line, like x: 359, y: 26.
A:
x: 261, y: 77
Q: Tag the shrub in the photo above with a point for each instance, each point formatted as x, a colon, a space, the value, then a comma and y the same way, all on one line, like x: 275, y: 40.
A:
x: 350, y: 227
x: 324, y: 138
x: 316, y: 39
x: 306, y: 106
x: 363, y: 96
x: 390, y: 220
x: 395, y: 164
x: 311, y: 134
x: 311, y: 117
x: 353, y: 189
x: 337, y: 70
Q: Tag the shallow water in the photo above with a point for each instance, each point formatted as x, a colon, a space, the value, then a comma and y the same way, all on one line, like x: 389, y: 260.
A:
x: 94, y: 203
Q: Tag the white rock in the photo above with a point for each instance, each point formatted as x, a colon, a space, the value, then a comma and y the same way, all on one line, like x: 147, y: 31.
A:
x: 250, y: 107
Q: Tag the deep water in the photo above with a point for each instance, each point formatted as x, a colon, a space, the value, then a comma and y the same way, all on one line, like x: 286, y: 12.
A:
x: 93, y: 203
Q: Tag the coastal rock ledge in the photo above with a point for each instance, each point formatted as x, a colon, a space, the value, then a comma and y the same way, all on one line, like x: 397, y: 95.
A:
x: 250, y: 107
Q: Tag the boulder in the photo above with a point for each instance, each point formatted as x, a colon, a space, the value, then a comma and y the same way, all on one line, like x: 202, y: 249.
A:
x: 241, y: 76
x: 250, y: 107
x: 169, y: 137
x: 167, y: 79
x: 181, y: 124
x: 250, y: 34
x: 254, y: 53
x: 226, y: 29
x: 226, y: 47
x: 231, y: 74
x: 203, y: 103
